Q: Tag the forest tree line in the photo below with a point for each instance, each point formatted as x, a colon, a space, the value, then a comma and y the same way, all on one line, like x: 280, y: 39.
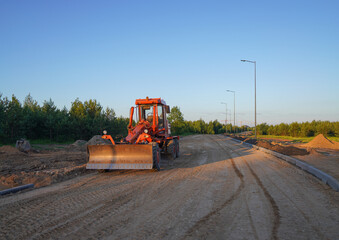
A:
x: 180, y: 126
x: 304, y: 129
x: 31, y: 121
x: 85, y: 119
x: 295, y: 129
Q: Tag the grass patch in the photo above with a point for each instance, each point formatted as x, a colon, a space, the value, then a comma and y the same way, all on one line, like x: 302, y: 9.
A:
x: 294, y: 139
x: 13, y: 145
x: 47, y: 141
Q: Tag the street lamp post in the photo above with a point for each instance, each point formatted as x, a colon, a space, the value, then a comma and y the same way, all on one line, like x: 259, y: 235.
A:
x: 255, y: 94
x: 226, y: 116
x: 233, y: 108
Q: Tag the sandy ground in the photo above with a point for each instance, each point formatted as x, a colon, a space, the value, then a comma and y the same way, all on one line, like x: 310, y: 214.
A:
x: 326, y: 160
x: 50, y: 164
x: 217, y: 189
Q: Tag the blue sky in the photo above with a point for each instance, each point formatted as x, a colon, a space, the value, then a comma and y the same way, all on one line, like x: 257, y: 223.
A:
x: 187, y: 52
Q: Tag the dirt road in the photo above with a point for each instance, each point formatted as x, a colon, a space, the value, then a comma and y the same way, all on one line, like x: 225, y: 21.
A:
x: 217, y: 189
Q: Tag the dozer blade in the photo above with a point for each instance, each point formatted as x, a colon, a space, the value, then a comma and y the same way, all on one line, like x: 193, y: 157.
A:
x: 124, y: 156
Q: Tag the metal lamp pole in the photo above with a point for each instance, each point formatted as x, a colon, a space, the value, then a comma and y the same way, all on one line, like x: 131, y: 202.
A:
x: 234, y: 107
x: 226, y: 116
x: 255, y: 93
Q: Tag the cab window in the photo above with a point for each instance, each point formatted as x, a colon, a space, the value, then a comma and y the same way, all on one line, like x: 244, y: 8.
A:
x: 147, y: 113
x: 160, y: 117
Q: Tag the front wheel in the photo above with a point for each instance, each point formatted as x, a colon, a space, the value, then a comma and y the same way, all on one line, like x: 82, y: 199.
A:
x: 156, y: 156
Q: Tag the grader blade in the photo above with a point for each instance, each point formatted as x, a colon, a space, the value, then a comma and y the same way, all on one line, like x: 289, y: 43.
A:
x: 121, y: 156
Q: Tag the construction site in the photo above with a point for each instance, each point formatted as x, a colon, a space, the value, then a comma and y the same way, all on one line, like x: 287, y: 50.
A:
x: 216, y: 189
x: 169, y: 120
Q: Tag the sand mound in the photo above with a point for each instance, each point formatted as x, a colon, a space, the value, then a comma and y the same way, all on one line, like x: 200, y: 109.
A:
x: 7, y: 149
x: 97, y: 140
x: 321, y: 141
x: 78, y: 145
x: 314, y: 152
x: 286, y: 150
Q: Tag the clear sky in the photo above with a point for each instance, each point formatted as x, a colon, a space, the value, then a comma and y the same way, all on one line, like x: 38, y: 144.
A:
x: 187, y: 52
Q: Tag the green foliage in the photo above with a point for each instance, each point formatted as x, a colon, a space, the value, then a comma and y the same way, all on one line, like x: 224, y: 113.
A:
x: 262, y: 129
x: 85, y: 119
x: 176, y: 119
x: 181, y: 127
x: 54, y: 125
x: 175, y: 115
x: 295, y: 139
x: 301, y: 130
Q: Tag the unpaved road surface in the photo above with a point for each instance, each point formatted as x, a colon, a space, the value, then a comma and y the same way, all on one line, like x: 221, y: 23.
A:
x: 217, y: 189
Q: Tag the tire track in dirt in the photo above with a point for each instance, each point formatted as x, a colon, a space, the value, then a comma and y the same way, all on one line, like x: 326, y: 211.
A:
x: 198, y: 198
x: 292, y: 168
x: 274, y: 206
x: 251, y: 221
x: 168, y: 179
x: 51, y: 201
x: 70, y: 197
x: 226, y: 149
x: 65, y: 206
x: 185, y: 176
x: 204, y: 219
x: 96, y: 214
x: 115, y: 206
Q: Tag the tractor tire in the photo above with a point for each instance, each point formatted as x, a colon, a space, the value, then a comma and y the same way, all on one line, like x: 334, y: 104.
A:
x: 156, y: 156
x: 171, y: 149
x: 177, y: 147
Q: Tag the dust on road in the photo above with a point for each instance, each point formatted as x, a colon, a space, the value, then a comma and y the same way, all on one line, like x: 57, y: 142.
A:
x: 217, y: 189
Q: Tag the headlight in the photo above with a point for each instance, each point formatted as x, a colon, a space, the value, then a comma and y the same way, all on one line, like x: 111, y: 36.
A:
x: 145, y: 131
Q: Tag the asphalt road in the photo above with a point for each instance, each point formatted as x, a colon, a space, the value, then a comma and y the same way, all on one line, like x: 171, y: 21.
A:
x: 217, y: 189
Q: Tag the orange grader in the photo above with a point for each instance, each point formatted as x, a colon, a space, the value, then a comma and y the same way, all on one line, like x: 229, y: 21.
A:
x: 145, y: 142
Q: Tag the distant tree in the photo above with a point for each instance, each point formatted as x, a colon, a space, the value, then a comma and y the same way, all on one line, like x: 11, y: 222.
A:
x: 271, y: 130
x: 64, y: 127
x: 283, y: 129
x: 217, y: 126
x: 324, y: 127
x: 294, y: 129
x: 176, y: 119
x: 32, y: 122
x: 77, y: 110
x: 336, y: 129
x: 175, y: 115
x: 3, y: 116
x: 306, y: 130
x: 210, y: 128
x: 94, y: 118
x: 109, y: 114
x: 50, y: 116
x: 92, y: 108
x: 14, y: 118
x: 262, y: 129
x: 77, y: 115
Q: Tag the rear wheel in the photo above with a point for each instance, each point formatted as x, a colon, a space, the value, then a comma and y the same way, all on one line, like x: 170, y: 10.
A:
x: 156, y: 156
x: 172, y: 149
x: 177, y: 148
